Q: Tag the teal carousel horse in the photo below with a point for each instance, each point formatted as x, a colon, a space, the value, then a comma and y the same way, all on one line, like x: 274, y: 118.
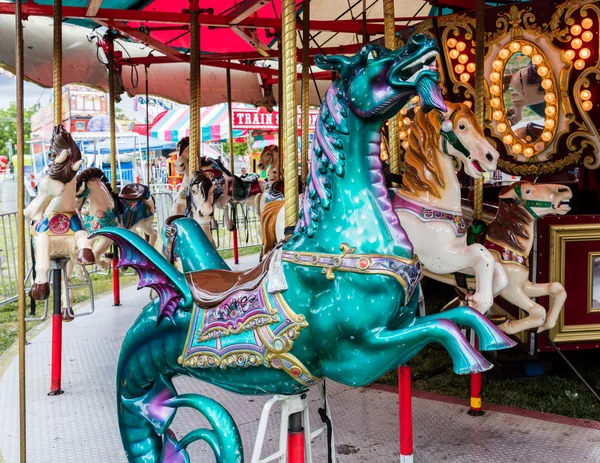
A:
x: 338, y: 300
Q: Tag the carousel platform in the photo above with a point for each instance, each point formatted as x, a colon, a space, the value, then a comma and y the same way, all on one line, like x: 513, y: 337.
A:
x: 81, y: 425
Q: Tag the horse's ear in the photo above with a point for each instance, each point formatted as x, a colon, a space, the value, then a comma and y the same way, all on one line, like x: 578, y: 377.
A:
x: 336, y: 63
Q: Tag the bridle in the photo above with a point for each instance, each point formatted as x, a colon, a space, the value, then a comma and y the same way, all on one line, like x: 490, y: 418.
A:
x: 449, y: 137
x: 529, y: 204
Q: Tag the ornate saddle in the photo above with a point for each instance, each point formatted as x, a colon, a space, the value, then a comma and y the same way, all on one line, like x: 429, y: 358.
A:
x: 134, y: 192
x: 212, y: 287
x: 240, y: 189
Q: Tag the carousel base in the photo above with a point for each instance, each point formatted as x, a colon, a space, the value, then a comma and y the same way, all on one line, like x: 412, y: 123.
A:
x: 81, y: 425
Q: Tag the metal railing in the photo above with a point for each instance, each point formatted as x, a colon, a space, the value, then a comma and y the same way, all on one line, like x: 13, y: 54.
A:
x: 8, y: 256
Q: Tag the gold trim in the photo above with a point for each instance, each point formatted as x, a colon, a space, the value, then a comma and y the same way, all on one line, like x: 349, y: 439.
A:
x: 590, y: 307
x: 560, y: 235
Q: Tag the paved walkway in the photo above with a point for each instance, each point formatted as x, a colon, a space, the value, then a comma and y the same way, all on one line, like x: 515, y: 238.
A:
x: 81, y: 426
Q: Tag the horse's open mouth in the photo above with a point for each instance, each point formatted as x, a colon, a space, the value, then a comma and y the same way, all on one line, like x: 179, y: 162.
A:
x: 562, y: 206
x: 478, y: 167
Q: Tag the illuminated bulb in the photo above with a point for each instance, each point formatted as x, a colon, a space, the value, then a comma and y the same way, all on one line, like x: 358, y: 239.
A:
x: 414, y: 99
x: 501, y: 127
x: 404, y: 111
x: 579, y: 64
x: 528, y: 152
x: 576, y: 44
x: 495, y: 102
x: 406, y: 121
x: 587, y: 105
x: 585, y: 95
x: 453, y: 53
x: 517, y: 148
x: 569, y: 55
x: 527, y: 50
x: 497, y: 115
x: 549, y: 124
x: 503, y: 54
x: 549, y: 97
x: 550, y: 110
x: 539, y: 146
x: 405, y: 145
x: 514, y: 47
x: 468, y: 103
x: 585, y: 53
x: 587, y: 23
x: 546, y: 84
x: 537, y: 59
x: 402, y: 135
x: 451, y: 43
x: 471, y: 67
x: 460, y: 46
x: 576, y: 29
x: 587, y: 36
x: 495, y: 76
x: 543, y: 71
x: 547, y: 136
x: 508, y: 139
x: 459, y: 68
x: 494, y: 89
x: 464, y: 77
x: 463, y: 59
x: 497, y: 65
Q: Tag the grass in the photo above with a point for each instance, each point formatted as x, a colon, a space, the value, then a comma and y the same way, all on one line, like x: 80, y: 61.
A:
x: 557, y: 391
x: 228, y: 253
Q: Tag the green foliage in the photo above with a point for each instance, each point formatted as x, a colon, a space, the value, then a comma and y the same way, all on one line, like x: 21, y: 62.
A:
x: 8, y: 127
x: 120, y: 115
x: 239, y: 149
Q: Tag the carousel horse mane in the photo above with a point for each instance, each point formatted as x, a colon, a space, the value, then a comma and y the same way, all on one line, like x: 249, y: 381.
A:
x: 205, y: 184
x: 182, y: 145
x: 510, y: 223
x: 326, y: 158
x: 93, y: 173
x: 62, y: 141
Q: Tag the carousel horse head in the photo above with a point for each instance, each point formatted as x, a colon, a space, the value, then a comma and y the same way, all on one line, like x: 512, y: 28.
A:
x: 268, y: 157
x: 378, y: 81
x: 181, y: 163
x: 201, y: 196
x: 65, y: 162
x: 92, y: 184
x: 537, y: 199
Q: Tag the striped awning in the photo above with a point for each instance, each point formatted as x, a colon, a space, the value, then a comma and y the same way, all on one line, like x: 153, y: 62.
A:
x: 175, y: 124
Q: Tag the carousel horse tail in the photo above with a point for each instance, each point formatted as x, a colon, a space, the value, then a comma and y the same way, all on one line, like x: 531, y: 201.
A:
x: 147, y: 401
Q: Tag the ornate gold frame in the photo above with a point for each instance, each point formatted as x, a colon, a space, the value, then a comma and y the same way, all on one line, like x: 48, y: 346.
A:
x: 560, y: 235
x: 590, y: 307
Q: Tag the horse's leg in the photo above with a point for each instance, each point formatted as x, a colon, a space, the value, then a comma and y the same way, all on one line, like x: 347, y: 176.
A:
x: 41, y: 289
x: 558, y: 296
x: 515, y: 294
x: 147, y: 227
x: 479, y: 259
x: 228, y: 223
x: 100, y: 247
x: 490, y: 338
x: 500, y: 280
x: 85, y: 255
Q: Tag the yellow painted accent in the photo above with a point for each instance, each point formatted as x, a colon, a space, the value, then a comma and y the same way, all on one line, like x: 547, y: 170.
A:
x: 476, y: 402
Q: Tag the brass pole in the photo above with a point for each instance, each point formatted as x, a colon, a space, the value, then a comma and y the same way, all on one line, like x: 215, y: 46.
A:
x: 305, y: 87
x: 479, y: 93
x: 230, y: 115
x: 57, y: 64
x: 194, y: 88
x: 280, y: 135
x: 148, y: 179
x: 20, y: 76
x: 111, y: 114
x: 390, y: 42
x: 289, y: 113
x: 365, y: 37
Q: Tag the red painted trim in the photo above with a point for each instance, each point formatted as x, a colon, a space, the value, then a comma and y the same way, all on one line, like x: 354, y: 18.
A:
x: 551, y: 417
x: 295, y: 453
x: 405, y: 410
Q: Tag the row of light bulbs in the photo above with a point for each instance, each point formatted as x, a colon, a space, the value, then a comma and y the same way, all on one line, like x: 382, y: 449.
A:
x: 578, y: 52
x: 456, y: 48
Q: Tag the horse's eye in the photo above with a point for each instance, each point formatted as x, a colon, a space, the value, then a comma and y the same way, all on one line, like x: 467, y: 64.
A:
x: 372, y: 55
x: 528, y: 192
x: 462, y: 126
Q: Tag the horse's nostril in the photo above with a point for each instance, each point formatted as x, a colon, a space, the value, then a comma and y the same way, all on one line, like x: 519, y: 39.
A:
x: 563, y: 189
x: 489, y: 157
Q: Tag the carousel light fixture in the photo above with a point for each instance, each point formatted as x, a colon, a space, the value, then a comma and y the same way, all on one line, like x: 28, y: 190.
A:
x: 453, y: 53
x: 495, y: 102
x: 543, y: 71
x: 451, y: 43
x: 527, y: 50
x: 502, y: 127
x: 579, y: 64
x: 406, y: 121
x: 497, y: 65
x: 508, y: 139
x: 537, y: 59
x: 587, y: 36
x: 464, y: 77
x: 547, y: 136
x: 495, y: 76
x: 587, y: 23
x: 549, y: 124
x: 585, y: 95
x: 528, y: 152
x: 460, y: 46
x: 471, y: 67
x: 514, y: 47
x: 550, y: 97
x: 495, y: 89
x: 587, y: 105
x: 569, y: 55
x: 576, y: 29
x: 459, y: 68
x: 504, y: 53
x: 546, y: 84
x: 517, y: 148
x: 576, y: 44
x: 497, y: 115
x: 463, y: 59
x: 539, y: 146
x: 550, y: 110
x: 585, y: 53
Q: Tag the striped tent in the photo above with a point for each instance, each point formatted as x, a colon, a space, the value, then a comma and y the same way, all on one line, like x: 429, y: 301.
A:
x: 175, y: 124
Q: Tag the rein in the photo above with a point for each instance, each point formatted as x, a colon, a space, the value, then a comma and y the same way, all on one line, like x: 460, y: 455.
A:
x: 449, y: 137
x: 529, y: 204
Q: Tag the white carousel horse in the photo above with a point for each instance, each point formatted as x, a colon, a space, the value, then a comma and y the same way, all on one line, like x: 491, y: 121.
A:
x: 429, y: 203
x: 200, y: 202
x: 526, y: 91
x: 57, y: 230
x: 509, y: 237
x: 133, y: 209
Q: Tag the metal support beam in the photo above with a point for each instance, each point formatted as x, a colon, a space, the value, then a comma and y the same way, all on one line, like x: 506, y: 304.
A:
x: 390, y: 42
x: 244, y: 9
x: 479, y: 94
x: 111, y: 114
x: 195, y: 132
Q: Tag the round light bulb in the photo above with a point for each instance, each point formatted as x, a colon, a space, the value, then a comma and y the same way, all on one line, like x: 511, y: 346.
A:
x: 404, y: 111
x: 543, y: 71
x: 508, y: 139
x: 550, y: 97
x: 587, y: 23
x: 459, y: 68
x: 402, y: 135
x: 451, y: 43
x: 550, y: 110
x: 514, y: 47
x: 503, y: 54
x: 495, y: 102
x: 495, y: 76
x: 453, y: 53
x: 497, y: 65
x: 585, y: 53
x: 587, y: 36
x: 528, y: 152
x: 517, y: 148
x: 579, y: 64
x: 547, y: 136
x: 585, y: 95
x: 576, y: 29
x: 464, y: 77
x: 497, y: 115
x: 537, y: 59
x: 460, y: 46
x: 405, y: 145
x: 569, y: 55
x: 414, y: 99
x: 406, y: 121
x: 587, y: 105
x: 463, y: 59
x: 501, y: 127
x: 546, y: 84
x: 494, y: 89
x: 549, y: 124
x: 471, y: 67
x: 539, y: 146
x: 527, y: 50
x: 576, y: 44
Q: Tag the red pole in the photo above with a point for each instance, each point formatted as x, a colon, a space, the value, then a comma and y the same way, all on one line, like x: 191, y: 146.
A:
x: 56, y: 364
x: 476, y: 386
x: 115, y: 273
x: 405, y: 413
x: 295, y: 450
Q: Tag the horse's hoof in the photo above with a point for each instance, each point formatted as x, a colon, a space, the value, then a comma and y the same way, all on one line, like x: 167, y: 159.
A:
x: 67, y: 315
x: 85, y: 256
x: 40, y: 291
x: 498, y: 319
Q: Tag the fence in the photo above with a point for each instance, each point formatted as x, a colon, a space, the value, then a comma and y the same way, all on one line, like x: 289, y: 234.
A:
x: 8, y: 256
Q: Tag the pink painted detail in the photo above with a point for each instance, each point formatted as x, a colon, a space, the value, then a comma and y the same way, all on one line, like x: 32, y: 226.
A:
x: 59, y: 224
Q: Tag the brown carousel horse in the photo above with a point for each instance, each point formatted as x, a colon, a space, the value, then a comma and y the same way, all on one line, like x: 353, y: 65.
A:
x: 526, y: 91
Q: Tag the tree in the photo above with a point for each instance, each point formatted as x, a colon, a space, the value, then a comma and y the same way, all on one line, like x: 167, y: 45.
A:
x: 239, y: 149
x: 8, y: 127
x: 120, y: 115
